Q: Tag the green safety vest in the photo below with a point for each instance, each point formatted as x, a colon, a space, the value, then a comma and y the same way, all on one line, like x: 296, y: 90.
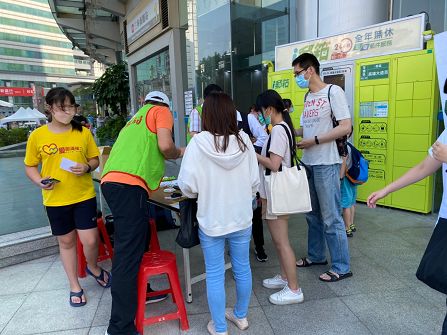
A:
x: 136, y: 151
x: 188, y: 135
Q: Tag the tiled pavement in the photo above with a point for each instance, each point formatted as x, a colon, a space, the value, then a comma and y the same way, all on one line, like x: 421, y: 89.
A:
x: 383, y: 296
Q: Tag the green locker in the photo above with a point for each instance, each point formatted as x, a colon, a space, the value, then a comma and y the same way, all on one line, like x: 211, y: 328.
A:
x: 395, y: 108
x: 410, y: 94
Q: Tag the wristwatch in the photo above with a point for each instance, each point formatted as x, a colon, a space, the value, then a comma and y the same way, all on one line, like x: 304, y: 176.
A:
x: 316, y: 140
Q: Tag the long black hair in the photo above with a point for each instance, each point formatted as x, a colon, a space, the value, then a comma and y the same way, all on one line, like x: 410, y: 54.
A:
x: 57, y: 95
x: 271, y: 98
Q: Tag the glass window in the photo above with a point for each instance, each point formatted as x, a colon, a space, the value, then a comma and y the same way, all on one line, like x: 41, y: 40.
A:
x: 257, y: 26
x: 26, y: 10
x: 34, y: 54
x: 153, y: 74
x: 214, y: 45
x: 33, y: 40
x: 35, y: 68
x: 30, y: 25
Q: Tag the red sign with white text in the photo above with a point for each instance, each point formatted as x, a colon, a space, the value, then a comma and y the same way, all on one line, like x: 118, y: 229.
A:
x: 16, y: 91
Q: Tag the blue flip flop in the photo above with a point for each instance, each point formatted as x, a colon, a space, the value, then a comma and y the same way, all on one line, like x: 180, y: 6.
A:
x: 77, y: 295
x: 101, y: 278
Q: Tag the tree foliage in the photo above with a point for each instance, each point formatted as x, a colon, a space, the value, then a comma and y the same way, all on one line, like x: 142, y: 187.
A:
x: 112, y: 89
x: 108, y: 133
x: 82, y: 91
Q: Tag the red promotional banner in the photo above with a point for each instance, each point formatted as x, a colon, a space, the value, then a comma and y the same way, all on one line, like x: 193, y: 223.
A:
x: 16, y: 91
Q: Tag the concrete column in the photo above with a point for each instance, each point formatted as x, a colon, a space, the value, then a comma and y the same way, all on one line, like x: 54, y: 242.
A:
x: 338, y: 16
x: 307, y: 19
x: 177, y: 60
x: 318, y: 18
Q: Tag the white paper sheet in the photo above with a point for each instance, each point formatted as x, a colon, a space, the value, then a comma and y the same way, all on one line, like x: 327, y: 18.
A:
x: 66, y: 164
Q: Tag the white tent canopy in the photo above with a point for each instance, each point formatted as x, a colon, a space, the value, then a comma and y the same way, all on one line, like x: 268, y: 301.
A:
x: 23, y: 114
x: 6, y: 104
x: 37, y: 113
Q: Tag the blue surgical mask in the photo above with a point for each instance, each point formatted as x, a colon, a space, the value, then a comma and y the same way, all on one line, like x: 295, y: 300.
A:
x: 261, y: 119
x: 301, y: 81
x: 291, y: 110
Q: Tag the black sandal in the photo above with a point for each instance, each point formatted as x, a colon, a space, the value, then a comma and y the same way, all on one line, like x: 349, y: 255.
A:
x: 101, y: 278
x: 77, y: 295
x: 335, y: 276
x: 307, y: 263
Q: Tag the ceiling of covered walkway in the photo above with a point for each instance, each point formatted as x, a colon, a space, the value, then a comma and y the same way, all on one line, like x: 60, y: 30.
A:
x: 92, y: 25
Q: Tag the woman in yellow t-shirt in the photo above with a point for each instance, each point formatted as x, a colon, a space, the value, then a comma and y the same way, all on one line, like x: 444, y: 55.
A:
x: 67, y: 153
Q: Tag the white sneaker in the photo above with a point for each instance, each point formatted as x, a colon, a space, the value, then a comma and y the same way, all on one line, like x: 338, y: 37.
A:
x: 286, y: 297
x: 275, y: 282
x: 212, y: 330
x: 242, y: 324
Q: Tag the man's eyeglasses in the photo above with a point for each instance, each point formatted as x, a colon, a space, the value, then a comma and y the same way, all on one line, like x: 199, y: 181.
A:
x: 67, y: 108
x: 296, y: 74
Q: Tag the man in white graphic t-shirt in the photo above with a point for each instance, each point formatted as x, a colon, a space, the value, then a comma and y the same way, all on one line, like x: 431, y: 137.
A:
x: 320, y: 153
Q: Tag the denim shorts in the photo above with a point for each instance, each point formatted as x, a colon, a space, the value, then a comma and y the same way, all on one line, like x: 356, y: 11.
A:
x: 348, y: 193
x: 65, y: 219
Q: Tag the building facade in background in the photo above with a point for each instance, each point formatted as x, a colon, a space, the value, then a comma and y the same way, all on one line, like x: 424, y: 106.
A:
x: 181, y: 46
x: 36, y: 56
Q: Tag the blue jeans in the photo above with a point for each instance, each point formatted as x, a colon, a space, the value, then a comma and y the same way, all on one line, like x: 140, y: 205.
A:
x: 213, y: 251
x: 325, y: 219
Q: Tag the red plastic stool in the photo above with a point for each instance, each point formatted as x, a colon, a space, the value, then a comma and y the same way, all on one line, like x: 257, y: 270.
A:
x: 154, y: 244
x: 105, y: 249
x: 152, y: 264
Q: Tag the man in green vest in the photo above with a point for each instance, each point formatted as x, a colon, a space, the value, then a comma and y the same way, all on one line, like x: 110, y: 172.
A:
x: 134, y: 169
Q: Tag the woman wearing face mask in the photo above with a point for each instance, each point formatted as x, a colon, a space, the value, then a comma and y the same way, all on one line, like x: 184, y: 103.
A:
x: 288, y: 105
x: 272, y: 107
x: 68, y: 195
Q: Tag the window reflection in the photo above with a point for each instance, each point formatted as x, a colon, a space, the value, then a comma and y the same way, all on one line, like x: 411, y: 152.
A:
x: 153, y: 74
x: 214, y: 44
x: 257, y: 27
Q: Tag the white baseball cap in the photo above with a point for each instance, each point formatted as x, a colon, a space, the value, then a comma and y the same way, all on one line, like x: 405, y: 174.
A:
x: 157, y: 96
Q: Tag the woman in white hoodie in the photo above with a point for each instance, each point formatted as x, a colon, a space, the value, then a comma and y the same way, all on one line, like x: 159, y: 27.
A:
x: 220, y: 169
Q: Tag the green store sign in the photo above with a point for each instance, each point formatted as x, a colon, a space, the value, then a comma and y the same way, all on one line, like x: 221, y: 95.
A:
x: 280, y: 84
x: 374, y: 71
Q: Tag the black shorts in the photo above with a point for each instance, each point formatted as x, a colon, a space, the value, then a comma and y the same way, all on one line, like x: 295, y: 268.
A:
x: 64, y: 219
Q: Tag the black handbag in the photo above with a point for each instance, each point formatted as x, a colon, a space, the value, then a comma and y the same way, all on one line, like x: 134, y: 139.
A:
x: 433, y: 267
x: 188, y: 234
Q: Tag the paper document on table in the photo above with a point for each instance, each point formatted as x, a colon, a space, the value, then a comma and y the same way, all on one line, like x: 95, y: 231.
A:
x: 66, y: 164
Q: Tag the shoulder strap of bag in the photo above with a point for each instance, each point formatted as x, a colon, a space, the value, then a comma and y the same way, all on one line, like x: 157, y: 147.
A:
x: 329, y: 99
x: 293, y: 159
x: 334, y: 120
x: 305, y: 96
x: 292, y: 150
x: 267, y: 154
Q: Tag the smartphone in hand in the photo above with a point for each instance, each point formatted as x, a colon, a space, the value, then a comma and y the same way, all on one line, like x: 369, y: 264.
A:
x: 176, y: 195
x: 50, y: 181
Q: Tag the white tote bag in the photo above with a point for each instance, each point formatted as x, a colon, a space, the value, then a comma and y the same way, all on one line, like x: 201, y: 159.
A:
x: 288, y: 189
